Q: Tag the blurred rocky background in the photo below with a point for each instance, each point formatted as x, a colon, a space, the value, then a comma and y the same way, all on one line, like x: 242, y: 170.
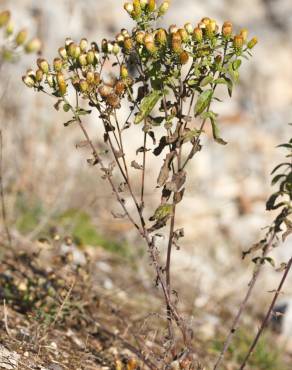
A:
x: 48, y: 183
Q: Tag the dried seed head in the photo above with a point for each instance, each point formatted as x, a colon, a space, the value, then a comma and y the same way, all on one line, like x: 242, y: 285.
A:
x: 50, y: 80
x: 43, y: 65
x: 124, y: 71
x: 83, y: 86
x: 198, y: 34
x: 4, y: 18
x: 90, y: 77
x: 90, y: 56
x: 244, y: 34
x: 74, y: 50
x: 82, y: 60
x: 58, y: 64
x: 113, y: 100
x: 252, y: 42
x: 183, y: 34
x: 29, y: 81
x: 189, y: 28
x: 33, y: 46
x: 184, y: 57
x: 83, y: 45
x: 139, y: 37
x: 173, y: 28
x: 128, y: 44
x: 129, y: 8
x: 151, y: 5
x: 238, y: 41
x: 120, y: 87
x: 105, y: 90
x: 163, y: 8
x: 21, y: 37
x: 176, y: 42
x: 39, y: 75
x: 161, y: 36
x: 227, y: 29
x: 61, y: 84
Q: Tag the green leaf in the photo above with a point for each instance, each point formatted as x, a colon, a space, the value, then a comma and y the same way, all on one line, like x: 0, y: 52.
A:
x: 206, y: 80
x: 163, y: 211
x: 203, y: 101
x: 69, y: 122
x: 236, y: 64
x: 234, y: 74
x: 215, y: 130
x: 147, y: 105
x: 82, y: 112
x: 66, y: 107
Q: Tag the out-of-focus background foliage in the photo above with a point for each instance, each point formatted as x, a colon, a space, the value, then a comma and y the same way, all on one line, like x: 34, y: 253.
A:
x: 48, y: 183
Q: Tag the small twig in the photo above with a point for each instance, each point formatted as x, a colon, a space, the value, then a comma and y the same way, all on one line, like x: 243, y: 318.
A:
x: 268, y: 314
x: 3, y: 208
x: 5, y: 319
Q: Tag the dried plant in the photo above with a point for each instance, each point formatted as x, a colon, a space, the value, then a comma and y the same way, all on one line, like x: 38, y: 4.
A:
x: 166, y: 81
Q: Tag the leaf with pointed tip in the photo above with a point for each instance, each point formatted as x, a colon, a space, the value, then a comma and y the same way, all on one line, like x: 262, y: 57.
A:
x: 147, y: 105
x: 203, y: 101
x: 215, y: 130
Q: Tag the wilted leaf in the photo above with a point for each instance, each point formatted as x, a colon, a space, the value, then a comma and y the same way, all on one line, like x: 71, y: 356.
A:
x: 164, y: 172
x: 177, y: 181
x: 215, y: 129
x: 178, y: 196
x: 203, y: 101
x: 69, y: 122
x: 136, y: 165
x: 147, y: 105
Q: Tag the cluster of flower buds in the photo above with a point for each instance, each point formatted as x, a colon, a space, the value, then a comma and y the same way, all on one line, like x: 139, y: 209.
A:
x: 145, y: 9
x: 19, y: 41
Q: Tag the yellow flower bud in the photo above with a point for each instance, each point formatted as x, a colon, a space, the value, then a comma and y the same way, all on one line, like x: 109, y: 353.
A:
x: 90, y: 56
x: 206, y: 20
x: 163, y: 8
x: 39, y: 75
x: 50, y: 80
x: 63, y: 53
x: 209, y: 30
x: 21, y: 37
x: 90, y: 77
x: 143, y: 3
x: 252, y: 42
x: 68, y: 41
x: 132, y: 364
x: 83, y: 85
x: 189, y: 28
x: 173, y: 28
x: 9, y: 28
x: 82, y: 60
x: 213, y: 25
x: 4, y: 18
x: 184, y: 57
x: 183, y: 34
x: 83, y: 45
x: 120, y: 38
x: 128, y: 44
x: 33, y: 46
x: 238, y: 41
x: 176, y: 42
x: 61, y: 84
x: 244, y: 34
x: 124, y: 71
x: 150, y: 46
x: 28, y: 81
x: 74, y: 50
x: 151, y: 5
x: 148, y: 38
x: 58, y: 64
x: 140, y: 37
x: 129, y: 8
x: 43, y: 65
x: 116, y: 48
x: 125, y: 33
x: 161, y: 36
x: 198, y: 34
x: 227, y: 29
x: 137, y: 8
